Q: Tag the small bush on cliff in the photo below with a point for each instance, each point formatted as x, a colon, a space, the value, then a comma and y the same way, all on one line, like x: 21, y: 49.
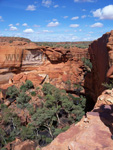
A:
x: 108, y: 85
x: 87, y: 64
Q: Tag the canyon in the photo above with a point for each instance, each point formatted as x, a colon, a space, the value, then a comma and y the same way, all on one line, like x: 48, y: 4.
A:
x: 21, y: 61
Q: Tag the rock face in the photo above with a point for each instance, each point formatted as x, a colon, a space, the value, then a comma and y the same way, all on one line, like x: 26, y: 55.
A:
x: 101, y: 54
x: 20, y: 61
x: 85, y: 135
x: 19, y: 145
x: 92, y: 132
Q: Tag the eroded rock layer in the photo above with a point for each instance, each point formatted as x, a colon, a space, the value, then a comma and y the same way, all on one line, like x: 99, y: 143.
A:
x: 21, y: 60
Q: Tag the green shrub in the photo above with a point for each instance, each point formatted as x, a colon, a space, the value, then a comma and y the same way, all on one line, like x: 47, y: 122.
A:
x: 23, y: 88
x: 33, y: 93
x: 29, y: 84
x: 27, y: 133
x: 108, y: 85
x: 37, y: 88
x: 22, y: 100
x: 87, y: 64
x: 12, y: 92
x: 48, y: 88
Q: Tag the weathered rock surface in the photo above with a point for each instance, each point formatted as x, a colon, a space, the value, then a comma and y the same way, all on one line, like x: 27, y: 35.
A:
x: 92, y: 132
x: 19, y: 145
x: 101, y: 54
x: 21, y: 61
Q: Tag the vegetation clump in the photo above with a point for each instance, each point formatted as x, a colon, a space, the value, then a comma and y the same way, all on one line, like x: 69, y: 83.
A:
x: 12, y: 92
x: 108, y: 85
x: 28, y: 85
x: 54, y: 115
x: 87, y: 64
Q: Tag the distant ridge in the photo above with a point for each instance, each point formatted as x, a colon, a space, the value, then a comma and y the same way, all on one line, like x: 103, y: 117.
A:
x: 11, y: 39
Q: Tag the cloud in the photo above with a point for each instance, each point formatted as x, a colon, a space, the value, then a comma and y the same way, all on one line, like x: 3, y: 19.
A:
x: 53, y: 24
x: 55, y: 6
x: 74, y: 25
x: 46, y: 3
x: 83, y: 9
x: 24, y: 24
x: 98, y: 24
x: 84, y: 0
x: 74, y: 18
x: 84, y: 16
x: 31, y: 7
x: 65, y: 17
x: 28, y: 31
x: 10, y: 25
x: 12, y: 28
x: 47, y: 31
x: 17, y: 24
x: 104, y: 13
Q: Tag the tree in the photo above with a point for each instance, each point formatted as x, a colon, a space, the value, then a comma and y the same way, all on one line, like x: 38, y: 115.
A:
x: 27, y: 133
x: 22, y: 102
x: 11, y: 125
x: 44, y: 118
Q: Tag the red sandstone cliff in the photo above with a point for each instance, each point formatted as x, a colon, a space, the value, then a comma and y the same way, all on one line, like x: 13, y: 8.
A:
x: 20, y: 61
x: 100, y: 52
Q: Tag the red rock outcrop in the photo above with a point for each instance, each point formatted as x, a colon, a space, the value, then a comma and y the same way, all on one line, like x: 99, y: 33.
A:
x: 100, y: 51
x: 19, y: 145
x: 92, y: 132
x: 20, y: 61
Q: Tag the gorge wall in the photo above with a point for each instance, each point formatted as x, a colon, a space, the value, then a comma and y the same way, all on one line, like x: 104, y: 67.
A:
x: 21, y: 60
x: 101, y: 54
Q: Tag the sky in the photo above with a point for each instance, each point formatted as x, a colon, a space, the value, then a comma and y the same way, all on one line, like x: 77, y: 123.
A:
x: 56, y: 20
